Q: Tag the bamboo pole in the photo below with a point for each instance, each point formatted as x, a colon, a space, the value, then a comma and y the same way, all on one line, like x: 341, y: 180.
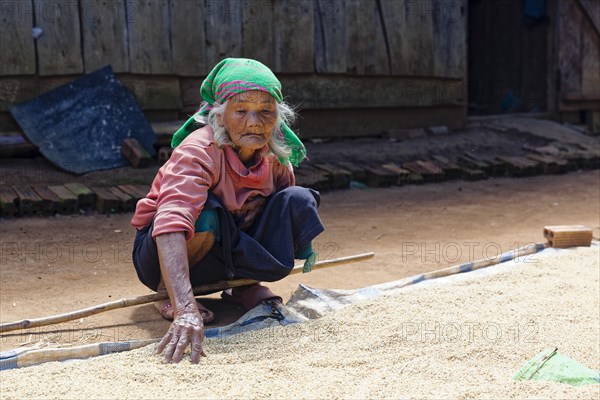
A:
x: 150, y: 298
x: 487, y: 262
x: 29, y: 357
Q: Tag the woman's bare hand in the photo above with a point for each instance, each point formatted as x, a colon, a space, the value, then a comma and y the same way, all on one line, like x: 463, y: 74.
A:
x: 187, y: 326
x: 186, y: 329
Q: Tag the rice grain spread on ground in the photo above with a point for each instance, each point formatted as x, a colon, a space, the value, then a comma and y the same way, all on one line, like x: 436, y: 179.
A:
x: 461, y: 340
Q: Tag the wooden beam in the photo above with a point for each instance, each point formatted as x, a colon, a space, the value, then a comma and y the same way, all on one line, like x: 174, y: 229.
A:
x: 366, y: 52
x: 294, y: 36
x: 330, y: 36
x: 590, y: 60
x: 188, y: 38
x: 223, y: 32
x: 154, y: 92
x: 258, y: 40
x: 409, y: 33
x: 449, y: 19
x: 591, y: 10
x: 104, y: 29
x: 569, y: 53
x: 18, y: 50
x: 149, y: 40
x: 59, y: 46
x: 368, y: 92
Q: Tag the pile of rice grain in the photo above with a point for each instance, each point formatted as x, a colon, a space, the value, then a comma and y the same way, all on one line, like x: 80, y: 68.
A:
x: 464, y: 340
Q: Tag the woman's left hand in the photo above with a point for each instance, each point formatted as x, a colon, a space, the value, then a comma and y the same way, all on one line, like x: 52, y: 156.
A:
x: 250, y: 210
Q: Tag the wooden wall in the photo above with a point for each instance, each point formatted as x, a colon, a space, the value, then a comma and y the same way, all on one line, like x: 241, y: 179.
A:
x: 578, y: 38
x: 330, y: 54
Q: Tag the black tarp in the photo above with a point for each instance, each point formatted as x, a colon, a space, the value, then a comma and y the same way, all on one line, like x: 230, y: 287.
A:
x: 79, y: 126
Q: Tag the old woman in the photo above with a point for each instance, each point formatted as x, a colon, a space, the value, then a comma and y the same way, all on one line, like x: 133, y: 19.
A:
x: 225, y: 205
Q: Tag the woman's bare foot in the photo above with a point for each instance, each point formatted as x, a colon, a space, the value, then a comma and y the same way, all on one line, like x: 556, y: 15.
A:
x: 165, y: 308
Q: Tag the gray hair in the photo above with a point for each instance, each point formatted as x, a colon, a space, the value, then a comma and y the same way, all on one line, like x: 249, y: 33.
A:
x: 277, y: 147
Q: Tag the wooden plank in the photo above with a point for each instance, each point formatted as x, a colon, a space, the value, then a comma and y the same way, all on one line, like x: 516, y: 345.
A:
x: 133, y: 151
x: 358, y: 172
x: 187, y: 38
x: 155, y: 92
x: 16, y: 89
x: 347, y: 122
x: 132, y: 191
x: 68, y: 201
x: 106, y: 201
x: 126, y: 202
x: 59, y: 46
x: 257, y: 31
x: 471, y: 174
x: 190, y: 93
x: 340, y: 178
x: 549, y: 164
x: 356, y: 92
x: 310, y: 177
x: 403, y: 175
x: 378, y: 176
x: 591, y: 9
x: 15, y: 145
x: 429, y: 173
x: 85, y: 196
x: 449, y: 41
x: 294, y: 36
x: 142, y: 190
x: 103, y: 25
x: 433, y: 171
x: 330, y: 36
x: 366, y: 50
x: 8, y: 202
x: 569, y: 53
x: 18, y: 50
x: 590, y: 63
x: 149, y: 40
x: 223, y: 24
x: 475, y: 163
x: 50, y: 201
x: 496, y: 168
x: 450, y: 169
x: 28, y: 201
x: 520, y: 166
x: 409, y: 33
x: 552, y: 69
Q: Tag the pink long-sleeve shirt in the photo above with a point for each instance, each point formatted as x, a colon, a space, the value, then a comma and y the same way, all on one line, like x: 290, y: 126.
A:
x: 196, y: 166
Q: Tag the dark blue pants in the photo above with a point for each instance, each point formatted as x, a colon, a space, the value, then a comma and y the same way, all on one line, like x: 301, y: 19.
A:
x: 264, y: 252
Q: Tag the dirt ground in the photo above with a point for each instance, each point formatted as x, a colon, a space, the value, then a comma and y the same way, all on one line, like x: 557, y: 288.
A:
x: 54, y: 265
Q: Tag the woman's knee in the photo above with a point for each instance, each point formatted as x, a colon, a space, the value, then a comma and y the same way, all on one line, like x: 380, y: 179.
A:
x: 299, y: 196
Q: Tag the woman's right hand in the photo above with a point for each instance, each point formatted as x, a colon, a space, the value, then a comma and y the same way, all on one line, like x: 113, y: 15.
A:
x: 186, y: 329
x: 187, y: 326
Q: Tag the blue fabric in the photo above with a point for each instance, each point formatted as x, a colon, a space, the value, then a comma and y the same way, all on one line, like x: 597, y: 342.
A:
x: 264, y: 252
x: 208, y: 221
x: 80, y: 125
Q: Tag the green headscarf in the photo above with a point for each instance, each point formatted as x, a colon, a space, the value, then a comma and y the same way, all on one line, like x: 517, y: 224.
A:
x: 236, y: 75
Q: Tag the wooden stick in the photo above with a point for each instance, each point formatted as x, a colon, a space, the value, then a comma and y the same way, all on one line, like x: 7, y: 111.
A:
x: 150, y: 298
x: 28, y: 357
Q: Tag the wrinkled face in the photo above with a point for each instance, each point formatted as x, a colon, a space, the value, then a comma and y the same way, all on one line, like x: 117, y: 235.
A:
x: 249, y: 119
